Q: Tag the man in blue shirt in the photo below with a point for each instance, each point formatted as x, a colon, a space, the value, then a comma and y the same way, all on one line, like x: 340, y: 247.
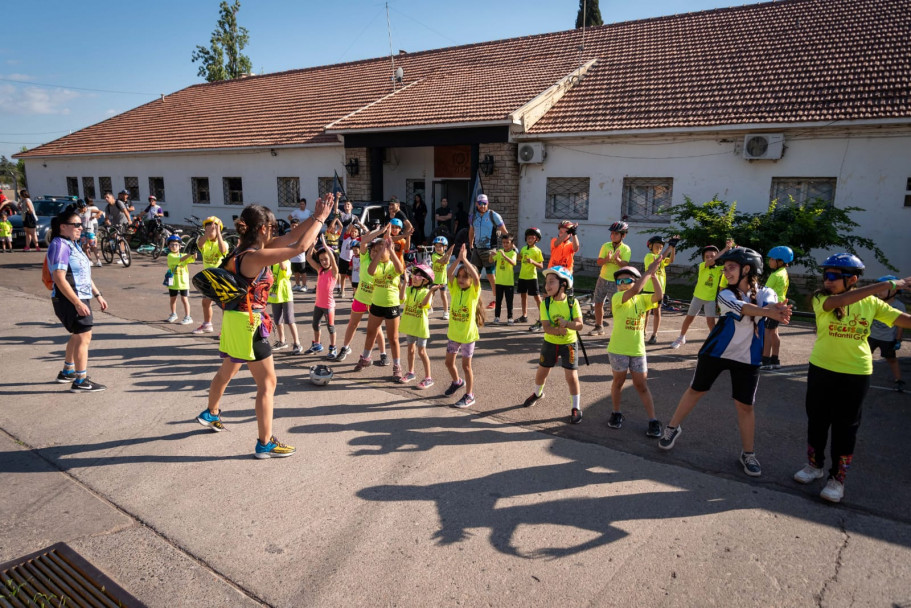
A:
x: 482, y: 238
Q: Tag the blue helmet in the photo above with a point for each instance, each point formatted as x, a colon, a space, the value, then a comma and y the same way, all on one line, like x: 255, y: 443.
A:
x: 562, y: 274
x: 887, y: 278
x: 174, y: 239
x: 846, y: 262
x: 441, y: 240
x: 397, y: 223
x: 783, y: 253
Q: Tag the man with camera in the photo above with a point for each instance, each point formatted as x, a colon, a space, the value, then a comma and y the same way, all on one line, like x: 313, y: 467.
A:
x: 564, y: 246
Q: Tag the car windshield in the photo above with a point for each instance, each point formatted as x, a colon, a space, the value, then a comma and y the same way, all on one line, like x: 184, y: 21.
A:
x: 48, y: 208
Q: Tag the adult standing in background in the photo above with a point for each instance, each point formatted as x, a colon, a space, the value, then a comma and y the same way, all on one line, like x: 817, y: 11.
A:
x: 444, y: 216
x: 419, y: 212
x: 29, y: 220
x: 482, y: 239
x: 395, y: 212
x: 124, y: 197
x: 301, y: 213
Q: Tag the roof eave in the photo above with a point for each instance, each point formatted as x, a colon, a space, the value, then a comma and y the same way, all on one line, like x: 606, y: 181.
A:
x: 426, y: 127
x: 180, y: 151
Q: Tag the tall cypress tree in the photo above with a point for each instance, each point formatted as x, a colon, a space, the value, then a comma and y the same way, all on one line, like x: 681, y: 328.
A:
x: 591, y: 16
x: 228, y: 39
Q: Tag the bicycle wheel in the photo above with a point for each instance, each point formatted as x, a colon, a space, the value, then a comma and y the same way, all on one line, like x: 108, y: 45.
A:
x: 107, y: 249
x: 159, y: 246
x: 232, y: 241
x: 191, y: 248
x: 124, y: 252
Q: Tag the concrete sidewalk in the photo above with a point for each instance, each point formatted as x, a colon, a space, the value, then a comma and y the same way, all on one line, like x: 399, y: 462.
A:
x: 390, y: 501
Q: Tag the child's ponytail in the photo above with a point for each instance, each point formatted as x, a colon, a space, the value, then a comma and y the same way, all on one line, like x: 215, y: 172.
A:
x: 480, y: 315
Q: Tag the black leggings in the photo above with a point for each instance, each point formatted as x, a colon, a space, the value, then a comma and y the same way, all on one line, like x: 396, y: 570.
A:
x: 833, y: 400
x: 508, y: 291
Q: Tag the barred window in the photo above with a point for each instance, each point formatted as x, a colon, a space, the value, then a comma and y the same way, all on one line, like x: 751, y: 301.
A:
x: 645, y: 197
x: 88, y: 187
x: 233, y: 188
x: 324, y: 185
x: 132, y: 184
x: 200, y: 186
x: 104, y: 184
x: 800, y: 190
x: 156, y: 188
x: 567, y: 198
x: 72, y: 186
x: 289, y: 191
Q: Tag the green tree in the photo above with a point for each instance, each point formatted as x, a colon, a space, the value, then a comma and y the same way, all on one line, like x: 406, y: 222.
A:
x: 13, y: 173
x: 807, y: 227
x: 223, y: 59
x: 589, y: 14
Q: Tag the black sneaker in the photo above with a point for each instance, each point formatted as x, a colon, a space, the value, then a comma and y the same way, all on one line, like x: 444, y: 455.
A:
x: 522, y: 319
x: 575, y: 416
x: 383, y: 361
x: 750, y: 464
x: 533, y: 399
x: 669, y: 437
x: 654, y: 428
x: 342, y: 353
x: 616, y: 420
x: 64, y: 378
x: 899, y: 386
x: 87, y: 386
x: 535, y: 327
x: 453, y: 387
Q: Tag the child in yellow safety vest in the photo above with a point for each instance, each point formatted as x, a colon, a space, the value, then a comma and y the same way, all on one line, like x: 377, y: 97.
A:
x: 708, y: 283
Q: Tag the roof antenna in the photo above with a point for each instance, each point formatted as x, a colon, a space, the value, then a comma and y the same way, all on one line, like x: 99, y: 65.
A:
x: 582, y: 47
x: 397, y: 75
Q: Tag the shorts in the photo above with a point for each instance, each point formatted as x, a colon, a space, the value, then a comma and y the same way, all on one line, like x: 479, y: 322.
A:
x: 344, y: 267
x: 178, y: 292
x: 421, y: 342
x: 772, y: 324
x: 262, y: 350
x: 358, y: 306
x: 604, y: 291
x: 698, y: 304
x: 442, y: 288
x: 886, y: 349
x: 480, y: 260
x: 623, y: 363
x: 28, y: 221
x: 6, y: 239
x: 283, y: 312
x: 72, y: 322
x: 566, y: 352
x: 466, y: 350
x: 527, y: 287
x: 385, y: 312
x: 744, y: 377
x: 298, y: 267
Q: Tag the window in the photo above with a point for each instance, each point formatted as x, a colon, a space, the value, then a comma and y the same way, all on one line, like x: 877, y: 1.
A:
x: 104, y: 185
x: 88, y: 187
x: 908, y: 193
x: 200, y: 187
x: 644, y: 198
x: 567, y: 198
x: 156, y: 188
x: 72, y: 186
x: 324, y: 185
x: 233, y: 188
x: 132, y: 184
x: 289, y: 189
x: 801, y: 190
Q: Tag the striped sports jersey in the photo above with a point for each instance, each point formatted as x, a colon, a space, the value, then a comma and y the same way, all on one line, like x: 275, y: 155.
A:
x: 736, y: 336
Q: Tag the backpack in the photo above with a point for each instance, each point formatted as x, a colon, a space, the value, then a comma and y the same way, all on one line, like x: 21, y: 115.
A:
x: 46, y: 276
x: 227, y: 289
x: 571, y: 301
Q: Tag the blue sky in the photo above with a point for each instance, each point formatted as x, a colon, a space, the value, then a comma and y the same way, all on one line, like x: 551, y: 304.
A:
x: 104, y: 57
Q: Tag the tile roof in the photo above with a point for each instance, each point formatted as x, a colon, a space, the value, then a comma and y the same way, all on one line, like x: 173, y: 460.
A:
x: 778, y: 62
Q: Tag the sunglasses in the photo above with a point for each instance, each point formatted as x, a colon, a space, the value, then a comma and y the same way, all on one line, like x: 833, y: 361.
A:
x: 74, y: 224
x: 834, y: 276
x: 626, y: 281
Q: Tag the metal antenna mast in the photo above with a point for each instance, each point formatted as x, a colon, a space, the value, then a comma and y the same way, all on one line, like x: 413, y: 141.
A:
x: 391, y: 54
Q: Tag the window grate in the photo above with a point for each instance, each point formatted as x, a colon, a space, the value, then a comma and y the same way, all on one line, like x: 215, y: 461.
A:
x: 233, y: 188
x: 200, y: 187
x: 156, y: 188
x: 72, y: 186
x: 289, y: 189
x: 104, y: 184
x: 800, y: 190
x: 645, y: 198
x: 324, y: 185
x: 88, y: 187
x: 567, y: 198
x: 132, y: 184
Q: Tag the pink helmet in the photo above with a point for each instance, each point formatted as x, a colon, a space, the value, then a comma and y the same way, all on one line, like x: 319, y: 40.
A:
x: 424, y: 270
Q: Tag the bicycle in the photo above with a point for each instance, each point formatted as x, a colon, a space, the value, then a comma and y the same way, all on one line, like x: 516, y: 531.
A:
x: 113, y: 243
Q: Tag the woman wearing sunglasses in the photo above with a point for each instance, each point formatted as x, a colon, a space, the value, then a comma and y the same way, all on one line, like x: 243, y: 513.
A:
x: 841, y: 365
x: 72, y: 293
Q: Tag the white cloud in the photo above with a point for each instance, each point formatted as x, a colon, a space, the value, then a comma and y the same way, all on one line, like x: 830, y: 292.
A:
x: 110, y: 112
x: 17, y: 77
x: 28, y: 101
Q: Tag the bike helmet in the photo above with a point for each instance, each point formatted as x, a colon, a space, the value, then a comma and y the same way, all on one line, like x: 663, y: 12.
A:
x: 534, y: 232
x: 567, y: 224
x: 655, y: 239
x: 631, y: 270
x: 562, y: 274
x: 441, y: 240
x: 174, y: 239
x: 887, y: 278
x: 424, y: 270
x: 81, y: 204
x: 743, y: 256
x: 397, y: 223
x: 709, y: 248
x: 846, y: 262
x: 213, y: 220
x: 320, y: 375
x: 619, y: 227
x: 785, y: 254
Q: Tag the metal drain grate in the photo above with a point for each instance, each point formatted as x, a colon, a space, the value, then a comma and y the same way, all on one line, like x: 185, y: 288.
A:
x: 58, y: 576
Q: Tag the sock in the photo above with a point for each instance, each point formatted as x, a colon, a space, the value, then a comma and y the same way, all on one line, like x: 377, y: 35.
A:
x: 396, y: 361
x: 68, y: 368
x: 80, y: 376
x: 366, y: 354
x: 539, y: 390
x: 576, y: 402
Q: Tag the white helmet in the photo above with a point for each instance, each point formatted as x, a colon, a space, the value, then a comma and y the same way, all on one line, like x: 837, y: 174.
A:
x: 320, y: 375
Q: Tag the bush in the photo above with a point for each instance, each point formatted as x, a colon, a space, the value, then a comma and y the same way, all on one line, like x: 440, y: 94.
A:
x: 816, y: 225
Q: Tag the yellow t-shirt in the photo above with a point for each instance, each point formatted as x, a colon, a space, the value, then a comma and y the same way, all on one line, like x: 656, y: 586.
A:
x: 463, y: 305
x: 557, y: 310
x: 364, y: 293
x: 708, y: 283
x: 211, y: 254
x: 628, y: 335
x: 533, y: 253
x: 608, y: 270
x: 179, y: 270
x: 779, y: 283
x: 439, y: 262
x: 281, y: 285
x: 504, y: 274
x: 6, y: 229
x: 415, y: 321
x: 660, y: 273
x: 386, y: 285
x: 841, y: 346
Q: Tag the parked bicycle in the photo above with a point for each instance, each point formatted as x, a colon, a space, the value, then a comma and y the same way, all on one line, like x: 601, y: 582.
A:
x: 113, y: 244
x: 150, y: 236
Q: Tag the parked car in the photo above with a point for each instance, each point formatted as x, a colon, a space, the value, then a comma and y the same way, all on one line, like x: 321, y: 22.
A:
x: 46, y: 208
x: 370, y: 213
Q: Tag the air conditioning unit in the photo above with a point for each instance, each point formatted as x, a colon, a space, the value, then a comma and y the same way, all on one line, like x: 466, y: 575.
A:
x: 763, y: 146
x: 532, y: 153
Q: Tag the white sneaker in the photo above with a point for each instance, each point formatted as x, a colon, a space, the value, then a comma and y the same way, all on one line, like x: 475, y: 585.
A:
x: 509, y: 322
x: 98, y: 264
x: 119, y: 261
x: 834, y: 490
x: 445, y: 316
x: 187, y: 320
x: 496, y: 320
x: 172, y: 318
x: 680, y: 341
x: 808, y: 474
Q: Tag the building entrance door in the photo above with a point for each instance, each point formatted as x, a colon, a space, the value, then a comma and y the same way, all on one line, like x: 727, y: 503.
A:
x: 456, y: 192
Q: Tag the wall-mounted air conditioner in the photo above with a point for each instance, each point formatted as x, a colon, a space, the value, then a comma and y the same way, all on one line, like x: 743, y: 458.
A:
x: 763, y: 146
x: 531, y: 153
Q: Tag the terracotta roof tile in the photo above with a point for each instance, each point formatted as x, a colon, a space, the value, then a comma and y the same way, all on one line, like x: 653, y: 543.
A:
x: 778, y: 62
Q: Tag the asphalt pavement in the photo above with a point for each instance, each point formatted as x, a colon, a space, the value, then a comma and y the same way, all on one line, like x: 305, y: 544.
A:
x: 393, y: 499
